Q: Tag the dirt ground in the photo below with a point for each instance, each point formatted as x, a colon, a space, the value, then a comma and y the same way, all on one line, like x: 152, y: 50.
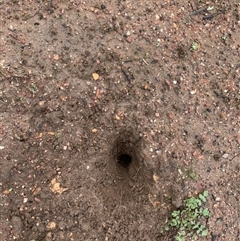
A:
x: 112, y: 112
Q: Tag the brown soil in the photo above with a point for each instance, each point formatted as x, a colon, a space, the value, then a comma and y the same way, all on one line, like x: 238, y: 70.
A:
x: 111, y: 113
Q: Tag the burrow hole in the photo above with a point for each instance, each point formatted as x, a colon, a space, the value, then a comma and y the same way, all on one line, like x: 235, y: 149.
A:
x: 124, y: 160
x: 125, y: 153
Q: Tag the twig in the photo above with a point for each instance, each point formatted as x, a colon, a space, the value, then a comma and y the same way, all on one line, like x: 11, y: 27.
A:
x: 145, y: 62
x: 126, y: 75
x: 235, y: 156
x: 50, y: 6
x: 27, y: 18
x: 200, y: 10
x: 3, y: 73
x: 136, y: 173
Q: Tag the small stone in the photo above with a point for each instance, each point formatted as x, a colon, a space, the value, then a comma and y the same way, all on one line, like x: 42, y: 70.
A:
x: 11, y: 28
x: 56, y: 57
x: 25, y: 200
x: 192, y: 92
x: 51, y: 226
x: 41, y: 103
x: 218, y: 199
x: 157, y: 17
x: 129, y: 39
x: 94, y: 130
x: 95, y: 76
x: 36, y: 191
x: 155, y: 177
x: 225, y: 156
x: 37, y: 200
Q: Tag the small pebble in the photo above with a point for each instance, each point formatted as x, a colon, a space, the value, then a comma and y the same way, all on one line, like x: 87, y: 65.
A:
x: 11, y: 27
x: 51, y: 226
x: 103, y: 6
x: 37, y: 200
x: 41, y: 103
x: 129, y: 39
x: 225, y: 156
x: 157, y: 17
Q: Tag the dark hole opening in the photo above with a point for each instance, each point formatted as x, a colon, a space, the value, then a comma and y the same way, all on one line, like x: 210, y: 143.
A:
x: 124, y: 160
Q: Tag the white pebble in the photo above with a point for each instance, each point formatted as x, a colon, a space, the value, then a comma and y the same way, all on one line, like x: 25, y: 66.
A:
x: 192, y: 92
x: 225, y: 156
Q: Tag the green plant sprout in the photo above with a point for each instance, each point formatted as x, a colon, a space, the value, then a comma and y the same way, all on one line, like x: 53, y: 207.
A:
x: 194, y: 46
x: 224, y: 37
x: 32, y: 88
x: 58, y: 135
x: 189, y: 219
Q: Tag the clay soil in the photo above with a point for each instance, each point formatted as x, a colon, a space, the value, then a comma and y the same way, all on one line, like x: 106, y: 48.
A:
x: 113, y: 112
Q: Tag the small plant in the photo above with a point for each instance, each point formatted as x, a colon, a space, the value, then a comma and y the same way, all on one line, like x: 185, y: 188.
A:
x: 188, y: 220
x: 195, y: 46
x: 224, y: 37
x: 58, y: 135
x: 32, y: 88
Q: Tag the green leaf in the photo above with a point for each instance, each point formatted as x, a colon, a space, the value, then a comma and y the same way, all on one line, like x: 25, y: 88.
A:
x: 192, y: 203
x: 199, y: 202
x: 182, y: 233
x: 174, y: 223
x: 195, y: 46
x: 202, y: 198
x: 166, y: 228
x: 205, y: 212
x: 184, y: 222
x: 179, y: 238
x: 175, y: 213
x: 204, y: 233
x: 196, y: 225
x: 205, y: 193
